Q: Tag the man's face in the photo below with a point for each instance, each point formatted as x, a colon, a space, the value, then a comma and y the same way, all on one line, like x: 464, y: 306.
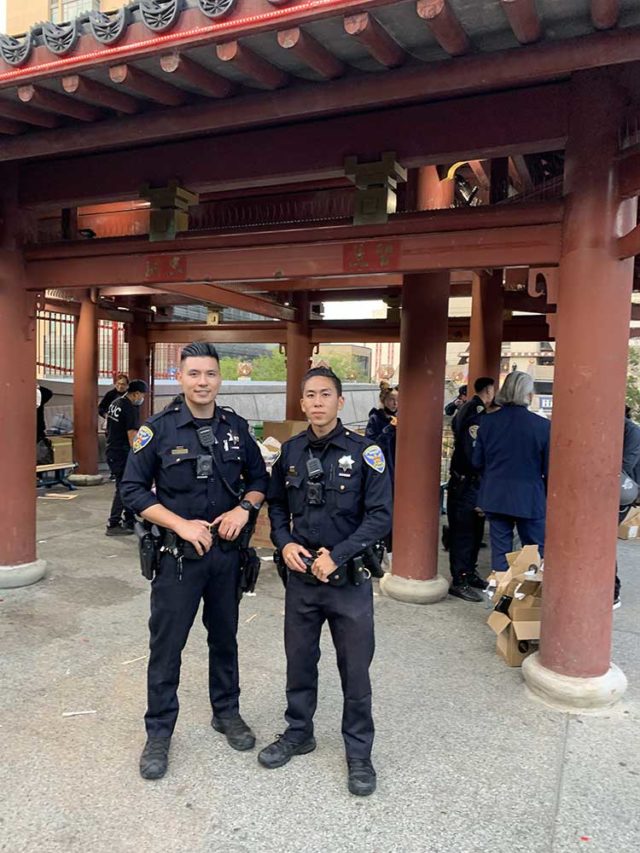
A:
x: 320, y: 401
x: 121, y: 384
x: 487, y: 394
x: 137, y: 398
x: 200, y: 379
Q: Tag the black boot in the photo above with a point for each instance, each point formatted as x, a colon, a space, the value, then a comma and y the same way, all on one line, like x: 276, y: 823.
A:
x: 362, y: 777
x: 155, y: 758
x: 238, y: 733
x: 282, y: 750
x: 474, y: 580
x: 462, y: 590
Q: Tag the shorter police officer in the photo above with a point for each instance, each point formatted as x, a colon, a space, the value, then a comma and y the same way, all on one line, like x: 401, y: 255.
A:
x: 123, y: 420
x: 466, y: 524
x: 207, y: 470
x: 329, y: 499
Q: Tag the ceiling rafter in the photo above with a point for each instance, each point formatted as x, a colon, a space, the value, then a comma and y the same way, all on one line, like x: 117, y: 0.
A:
x: 445, y: 26
x: 369, y: 32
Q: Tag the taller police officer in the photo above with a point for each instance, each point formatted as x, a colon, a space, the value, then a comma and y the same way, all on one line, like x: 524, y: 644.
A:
x: 466, y: 525
x: 196, y: 484
x: 329, y: 499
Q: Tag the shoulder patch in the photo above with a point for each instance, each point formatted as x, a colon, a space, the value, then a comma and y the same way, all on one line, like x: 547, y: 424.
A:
x: 473, y: 431
x: 374, y: 457
x: 143, y: 437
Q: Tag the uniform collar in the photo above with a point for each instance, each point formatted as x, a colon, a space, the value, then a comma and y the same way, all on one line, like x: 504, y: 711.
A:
x: 339, y: 438
x: 185, y: 416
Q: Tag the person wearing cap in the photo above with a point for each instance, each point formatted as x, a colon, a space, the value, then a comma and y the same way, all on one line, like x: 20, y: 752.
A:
x: 452, y: 408
x: 123, y: 421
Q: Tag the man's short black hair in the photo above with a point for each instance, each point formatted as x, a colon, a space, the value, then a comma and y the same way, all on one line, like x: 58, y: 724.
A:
x: 462, y: 391
x: 199, y: 349
x: 137, y: 385
x: 482, y: 382
x: 323, y: 371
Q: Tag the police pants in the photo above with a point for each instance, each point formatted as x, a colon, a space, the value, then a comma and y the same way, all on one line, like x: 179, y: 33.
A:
x: 530, y: 531
x: 174, y: 604
x: 349, y: 612
x: 117, y: 463
x: 466, y: 527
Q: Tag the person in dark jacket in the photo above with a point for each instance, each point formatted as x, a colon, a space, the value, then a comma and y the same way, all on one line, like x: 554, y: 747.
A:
x: 630, y: 467
x: 120, y: 387
x: 452, y: 407
x: 380, y: 417
x: 42, y: 398
x: 511, y: 451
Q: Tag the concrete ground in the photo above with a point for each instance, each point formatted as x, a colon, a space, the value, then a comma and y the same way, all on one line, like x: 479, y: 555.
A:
x: 466, y: 760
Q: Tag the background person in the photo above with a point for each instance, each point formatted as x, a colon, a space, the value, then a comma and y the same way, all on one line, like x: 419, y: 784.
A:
x: 452, y: 407
x: 195, y: 488
x: 120, y: 386
x: 123, y: 421
x: 380, y: 417
x: 630, y: 467
x: 511, y: 451
x: 466, y: 523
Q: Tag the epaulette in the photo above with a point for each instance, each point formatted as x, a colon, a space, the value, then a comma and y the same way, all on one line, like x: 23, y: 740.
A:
x: 174, y: 406
x: 296, y: 437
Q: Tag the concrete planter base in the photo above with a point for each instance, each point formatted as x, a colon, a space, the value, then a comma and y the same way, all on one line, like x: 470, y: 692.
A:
x: 568, y: 693
x: 414, y: 591
x: 22, y: 575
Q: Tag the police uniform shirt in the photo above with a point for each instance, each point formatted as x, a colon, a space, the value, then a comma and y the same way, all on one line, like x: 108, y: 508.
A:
x: 357, y: 488
x: 166, y: 451
x: 466, y: 429
x: 122, y: 417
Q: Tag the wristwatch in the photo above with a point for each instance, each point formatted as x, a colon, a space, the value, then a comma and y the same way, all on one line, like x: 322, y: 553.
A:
x: 245, y: 504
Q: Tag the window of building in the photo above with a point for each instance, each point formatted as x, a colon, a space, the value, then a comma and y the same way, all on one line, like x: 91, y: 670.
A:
x: 61, y: 11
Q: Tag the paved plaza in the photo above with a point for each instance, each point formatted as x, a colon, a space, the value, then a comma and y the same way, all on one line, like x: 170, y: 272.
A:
x: 467, y: 762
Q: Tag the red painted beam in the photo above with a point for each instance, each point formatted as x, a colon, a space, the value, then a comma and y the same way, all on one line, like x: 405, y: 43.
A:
x: 629, y: 173
x: 482, y: 126
x: 469, y: 74
x: 445, y: 26
x: 215, y: 295
x: 10, y: 127
x: 307, y: 50
x: 27, y: 114
x: 523, y: 18
x: 258, y: 70
x: 605, y: 13
x: 147, y: 86
x: 184, y: 70
x: 86, y: 89
x: 177, y: 333
x: 45, y: 99
x: 375, y: 38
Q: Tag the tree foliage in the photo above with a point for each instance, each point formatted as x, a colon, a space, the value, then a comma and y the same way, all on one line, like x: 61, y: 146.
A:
x: 273, y: 368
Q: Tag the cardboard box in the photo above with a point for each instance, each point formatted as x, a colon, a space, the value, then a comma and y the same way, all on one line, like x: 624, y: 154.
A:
x: 630, y: 527
x: 62, y: 448
x: 518, y: 630
x: 283, y: 430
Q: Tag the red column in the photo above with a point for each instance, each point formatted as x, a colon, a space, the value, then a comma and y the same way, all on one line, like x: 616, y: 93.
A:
x: 587, y: 426
x: 140, y: 357
x: 487, y: 310
x: 416, y: 528
x: 85, y: 389
x: 299, y: 348
x: 17, y: 403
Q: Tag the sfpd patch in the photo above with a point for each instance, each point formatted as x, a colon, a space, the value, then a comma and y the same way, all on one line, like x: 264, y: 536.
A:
x: 473, y: 431
x: 374, y: 457
x: 143, y: 437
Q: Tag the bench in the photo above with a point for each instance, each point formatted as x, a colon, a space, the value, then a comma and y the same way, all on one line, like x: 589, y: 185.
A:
x: 60, y: 472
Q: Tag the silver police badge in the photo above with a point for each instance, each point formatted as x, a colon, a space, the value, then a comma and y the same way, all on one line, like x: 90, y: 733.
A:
x: 345, y: 463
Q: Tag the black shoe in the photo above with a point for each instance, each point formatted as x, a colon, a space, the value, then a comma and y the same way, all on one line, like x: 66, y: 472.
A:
x: 465, y: 592
x: 118, y: 530
x: 155, y: 758
x: 617, y: 604
x: 362, y: 777
x: 129, y: 525
x: 238, y: 733
x: 475, y: 581
x: 282, y: 750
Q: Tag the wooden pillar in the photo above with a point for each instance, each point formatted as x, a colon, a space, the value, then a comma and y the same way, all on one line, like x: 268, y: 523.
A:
x: 299, y: 348
x: 573, y: 667
x: 140, y: 357
x: 487, y: 312
x: 85, y: 389
x: 18, y: 563
x: 423, y: 353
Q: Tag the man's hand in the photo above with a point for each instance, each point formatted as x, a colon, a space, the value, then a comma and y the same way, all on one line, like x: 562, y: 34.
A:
x: 231, y: 523
x: 323, y: 566
x: 291, y: 555
x: 197, y: 532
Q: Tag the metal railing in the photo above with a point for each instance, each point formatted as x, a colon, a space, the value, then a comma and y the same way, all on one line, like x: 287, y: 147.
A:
x: 55, y: 346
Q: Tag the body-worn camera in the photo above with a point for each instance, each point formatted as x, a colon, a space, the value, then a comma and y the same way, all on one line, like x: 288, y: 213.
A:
x: 315, y: 484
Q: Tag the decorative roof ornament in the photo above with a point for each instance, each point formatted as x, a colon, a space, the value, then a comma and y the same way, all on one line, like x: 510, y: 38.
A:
x: 216, y: 8
x: 16, y: 52
x: 160, y: 15
x: 60, y: 38
x: 108, y: 27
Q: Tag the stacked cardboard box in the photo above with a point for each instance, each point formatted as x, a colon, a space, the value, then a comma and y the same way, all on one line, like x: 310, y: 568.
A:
x: 630, y: 527
x: 517, y: 599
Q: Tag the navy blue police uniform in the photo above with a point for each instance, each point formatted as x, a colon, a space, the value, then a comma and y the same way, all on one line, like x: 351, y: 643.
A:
x: 356, y: 512
x: 166, y: 452
x: 512, y: 452
x: 466, y: 525
x: 122, y: 417
x: 378, y: 420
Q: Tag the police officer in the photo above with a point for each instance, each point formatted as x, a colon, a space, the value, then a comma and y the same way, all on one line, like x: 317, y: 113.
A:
x: 123, y: 420
x: 382, y: 416
x: 466, y: 524
x: 214, y: 476
x: 329, y: 498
